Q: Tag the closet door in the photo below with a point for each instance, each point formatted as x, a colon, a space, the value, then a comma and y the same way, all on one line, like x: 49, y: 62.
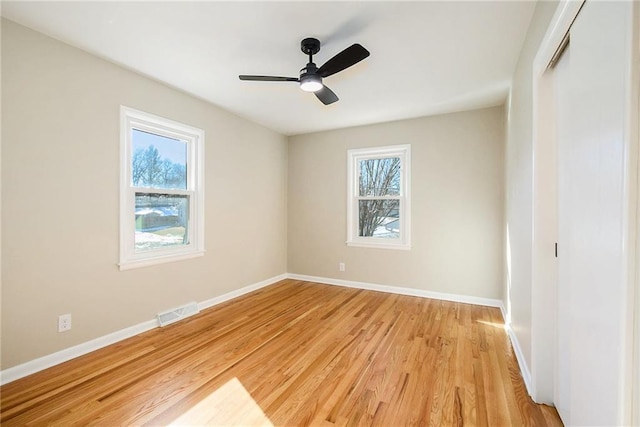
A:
x: 591, y: 88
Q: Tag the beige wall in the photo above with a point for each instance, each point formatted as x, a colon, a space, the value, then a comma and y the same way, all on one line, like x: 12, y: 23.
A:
x: 519, y: 179
x: 457, y: 205
x: 60, y: 184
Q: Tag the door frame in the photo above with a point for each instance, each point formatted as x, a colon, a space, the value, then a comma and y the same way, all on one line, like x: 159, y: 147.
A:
x: 544, y: 214
x: 634, y: 118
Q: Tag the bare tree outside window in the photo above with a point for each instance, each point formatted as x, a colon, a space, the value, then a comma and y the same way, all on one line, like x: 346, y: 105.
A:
x: 379, y: 182
x: 149, y: 169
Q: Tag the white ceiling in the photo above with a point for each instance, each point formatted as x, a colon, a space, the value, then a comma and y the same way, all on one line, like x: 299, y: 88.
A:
x: 426, y: 57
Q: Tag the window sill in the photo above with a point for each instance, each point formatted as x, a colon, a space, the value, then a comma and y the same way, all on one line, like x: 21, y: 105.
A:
x: 130, y: 265
x: 402, y: 247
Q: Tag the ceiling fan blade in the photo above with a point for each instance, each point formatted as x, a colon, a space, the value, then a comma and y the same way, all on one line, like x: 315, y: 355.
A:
x: 326, y: 95
x: 345, y: 59
x: 268, y: 78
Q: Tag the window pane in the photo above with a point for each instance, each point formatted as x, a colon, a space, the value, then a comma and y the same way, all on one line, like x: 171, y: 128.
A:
x: 380, y: 177
x: 158, y: 161
x: 379, y: 218
x: 161, y: 221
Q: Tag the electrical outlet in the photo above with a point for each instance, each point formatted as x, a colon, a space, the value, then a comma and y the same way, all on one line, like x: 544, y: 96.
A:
x: 64, y: 323
x: 341, y: 266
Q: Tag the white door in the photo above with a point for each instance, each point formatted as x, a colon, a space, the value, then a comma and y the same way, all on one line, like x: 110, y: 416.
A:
x: 592, y: 83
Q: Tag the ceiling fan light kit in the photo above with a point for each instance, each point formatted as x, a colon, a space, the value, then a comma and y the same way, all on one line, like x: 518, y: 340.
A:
x: 311, y: 76
x: 309, y: 80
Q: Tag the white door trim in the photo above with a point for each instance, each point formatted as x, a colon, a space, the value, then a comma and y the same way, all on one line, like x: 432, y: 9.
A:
x: 634, y: 118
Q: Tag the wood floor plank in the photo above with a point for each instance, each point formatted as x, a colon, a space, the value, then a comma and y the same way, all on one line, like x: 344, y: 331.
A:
x: 292, y: 354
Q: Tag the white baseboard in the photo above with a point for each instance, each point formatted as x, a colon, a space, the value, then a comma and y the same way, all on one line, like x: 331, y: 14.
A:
x: 489, y: 302
x: 36, y: 365
x: 245, y: 290
x: 522, y: 363
x: 41, y: 363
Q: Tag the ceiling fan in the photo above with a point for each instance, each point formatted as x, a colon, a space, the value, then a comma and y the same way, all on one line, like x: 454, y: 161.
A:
x: 311, y: 76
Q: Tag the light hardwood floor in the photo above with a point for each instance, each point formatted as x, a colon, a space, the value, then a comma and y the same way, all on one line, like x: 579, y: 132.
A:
x: 291, y: 354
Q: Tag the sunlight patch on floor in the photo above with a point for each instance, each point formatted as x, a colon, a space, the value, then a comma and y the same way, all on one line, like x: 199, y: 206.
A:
x: 230, y: 405
x: 495, y: 325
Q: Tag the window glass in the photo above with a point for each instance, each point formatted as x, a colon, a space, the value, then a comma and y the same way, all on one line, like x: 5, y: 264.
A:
x: 161, y: 221
x: 158, y: 161
x: 379, y: 218
x: 380, y: 177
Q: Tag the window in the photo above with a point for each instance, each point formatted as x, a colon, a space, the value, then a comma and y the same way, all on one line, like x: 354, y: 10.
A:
x: 378, y: 207
x: 161, y: 190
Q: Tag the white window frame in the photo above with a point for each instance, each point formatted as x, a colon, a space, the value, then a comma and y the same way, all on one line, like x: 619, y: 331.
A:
x: 134, y: 119
x: 354, y: 157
